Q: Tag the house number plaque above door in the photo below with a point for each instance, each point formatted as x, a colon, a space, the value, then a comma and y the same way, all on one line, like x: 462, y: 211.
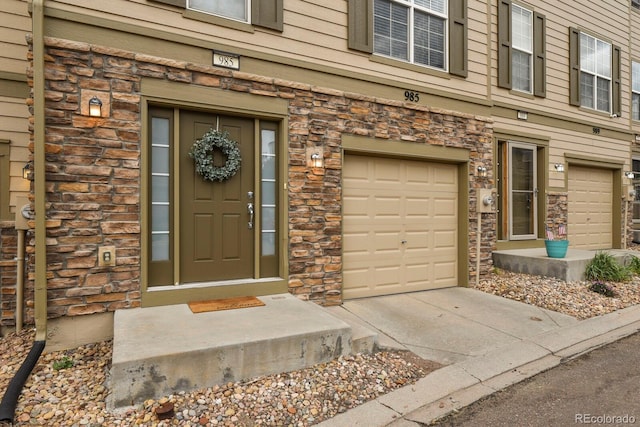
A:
x: 226, y: 60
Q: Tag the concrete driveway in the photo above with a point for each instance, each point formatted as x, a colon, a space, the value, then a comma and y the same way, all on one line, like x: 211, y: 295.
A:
x: 452, y: 324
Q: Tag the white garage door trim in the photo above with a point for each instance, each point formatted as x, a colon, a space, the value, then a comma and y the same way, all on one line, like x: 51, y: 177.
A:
x: 400, y: 225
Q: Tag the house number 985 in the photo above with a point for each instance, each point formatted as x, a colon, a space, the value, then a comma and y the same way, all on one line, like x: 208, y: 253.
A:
x: 412, y: 96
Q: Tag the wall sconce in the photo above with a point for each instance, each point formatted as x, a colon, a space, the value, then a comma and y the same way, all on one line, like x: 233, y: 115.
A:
x: 482, y: 171
x: 316, y: 160
x: 559, y: 167
x: 95, y: 107
x: 523, y: 115
x: 26, y: 171
x: 629, y: 175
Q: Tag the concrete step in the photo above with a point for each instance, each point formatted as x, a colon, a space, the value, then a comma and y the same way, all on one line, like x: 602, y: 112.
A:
x: 535, y: 261
x: 363, y: 338
x: 162, y: 350
x: 366, y: 338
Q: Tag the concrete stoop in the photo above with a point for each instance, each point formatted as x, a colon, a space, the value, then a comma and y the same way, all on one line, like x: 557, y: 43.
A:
x: 158, y: 351
x: 535, y: 261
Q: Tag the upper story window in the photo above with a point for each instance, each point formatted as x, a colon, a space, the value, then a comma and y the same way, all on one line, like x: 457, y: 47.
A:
x: 431, y: 33
x: 237, y: 14
x: 635, y: 91
x: 635, y: 3
x: 234, y: 9
x: 522, y: 53
x: 594, y: 73
x: 521, y: 49
x: 413, y: 31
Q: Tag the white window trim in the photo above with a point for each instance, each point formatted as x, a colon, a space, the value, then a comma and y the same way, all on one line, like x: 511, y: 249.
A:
x: 528, y: 52
x: 410, y: 41
x: 634, y: 64
x: 597, y: 75
x: 247, y: 9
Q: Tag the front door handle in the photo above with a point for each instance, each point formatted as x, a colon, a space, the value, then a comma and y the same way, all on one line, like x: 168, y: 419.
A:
x: 250, y: 210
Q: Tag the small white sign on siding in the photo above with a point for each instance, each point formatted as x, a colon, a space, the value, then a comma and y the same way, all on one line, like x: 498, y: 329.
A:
x: 226, y: 60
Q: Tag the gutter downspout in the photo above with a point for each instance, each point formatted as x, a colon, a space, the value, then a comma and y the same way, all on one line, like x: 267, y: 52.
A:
x: 10, y: 398
x: 39, y: 166
x: 20, y: 280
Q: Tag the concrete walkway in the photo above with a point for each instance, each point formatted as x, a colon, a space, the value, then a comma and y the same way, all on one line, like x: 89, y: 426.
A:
x: 487, y: 342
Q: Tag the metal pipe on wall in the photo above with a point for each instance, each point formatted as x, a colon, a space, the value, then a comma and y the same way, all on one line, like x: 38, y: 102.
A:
x: 10, y: 398
x: 20, y: 280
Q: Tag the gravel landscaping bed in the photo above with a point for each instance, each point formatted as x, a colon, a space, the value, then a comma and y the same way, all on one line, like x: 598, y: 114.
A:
x: 572, y: 298
x: 75, y: 396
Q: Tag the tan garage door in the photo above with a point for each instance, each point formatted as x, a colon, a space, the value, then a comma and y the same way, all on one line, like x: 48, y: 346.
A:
x: 400, y: 226
x: 590, y: 208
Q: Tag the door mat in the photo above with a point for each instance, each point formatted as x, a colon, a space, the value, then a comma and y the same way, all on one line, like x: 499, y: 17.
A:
x: 224, y: 304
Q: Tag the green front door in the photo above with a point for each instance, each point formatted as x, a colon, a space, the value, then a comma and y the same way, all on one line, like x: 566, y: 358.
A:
x: 216, y: 220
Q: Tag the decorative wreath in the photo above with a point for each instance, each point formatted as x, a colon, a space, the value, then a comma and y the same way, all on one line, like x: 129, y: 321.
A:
x: 202, y: 152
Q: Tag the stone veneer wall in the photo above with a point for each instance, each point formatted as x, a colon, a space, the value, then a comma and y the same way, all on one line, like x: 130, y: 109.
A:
x: 8, y: 274
x: 93, y: 172
x: 557, y: 210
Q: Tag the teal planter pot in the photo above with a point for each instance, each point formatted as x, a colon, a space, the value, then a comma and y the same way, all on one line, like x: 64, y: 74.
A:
x: 556, y: 248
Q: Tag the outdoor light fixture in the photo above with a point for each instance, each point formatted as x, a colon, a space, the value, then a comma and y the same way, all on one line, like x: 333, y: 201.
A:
x: 559, y: 167
x: 95, y: 107
x: 316, y: 160
x: 523, y: 115
x: 26, y: 171
x: 629, y: 175
x: 482, y: 171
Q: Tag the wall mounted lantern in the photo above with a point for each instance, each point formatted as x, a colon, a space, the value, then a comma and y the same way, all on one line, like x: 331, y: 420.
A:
x: 482, y: 171
x: 629, y: 175
x: 26, y: 171
x: 316, y: 160
x: 559, y: 167
x: 95, y: 107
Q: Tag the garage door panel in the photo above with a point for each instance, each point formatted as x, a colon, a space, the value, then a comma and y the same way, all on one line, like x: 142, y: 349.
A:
x: 590, y: 193
x: 446, y: 239
x: 444, y: 271
x: 410, y: 201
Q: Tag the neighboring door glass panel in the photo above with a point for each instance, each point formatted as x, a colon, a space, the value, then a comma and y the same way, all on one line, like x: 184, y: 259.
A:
x: 268, y: 192
x: 636, y: 199
x: 160, y: 189
x: 522, y: 191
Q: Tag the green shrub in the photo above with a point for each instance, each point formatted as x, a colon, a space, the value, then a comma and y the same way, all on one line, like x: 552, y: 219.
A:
x: 633, y: 264
x: 604, y: 267
x: 65, y: 363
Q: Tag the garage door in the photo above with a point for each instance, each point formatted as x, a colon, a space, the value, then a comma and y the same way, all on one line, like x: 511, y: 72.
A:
x: 590, y: 208
x: 400, y: 226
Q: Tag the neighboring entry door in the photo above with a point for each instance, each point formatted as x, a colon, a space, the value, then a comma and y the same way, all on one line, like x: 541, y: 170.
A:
x: 522, y: 187
x: 216, y: 226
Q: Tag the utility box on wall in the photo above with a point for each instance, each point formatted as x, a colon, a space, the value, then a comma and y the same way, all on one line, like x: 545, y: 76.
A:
x: 486, y: 201
x: 23, y: 213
